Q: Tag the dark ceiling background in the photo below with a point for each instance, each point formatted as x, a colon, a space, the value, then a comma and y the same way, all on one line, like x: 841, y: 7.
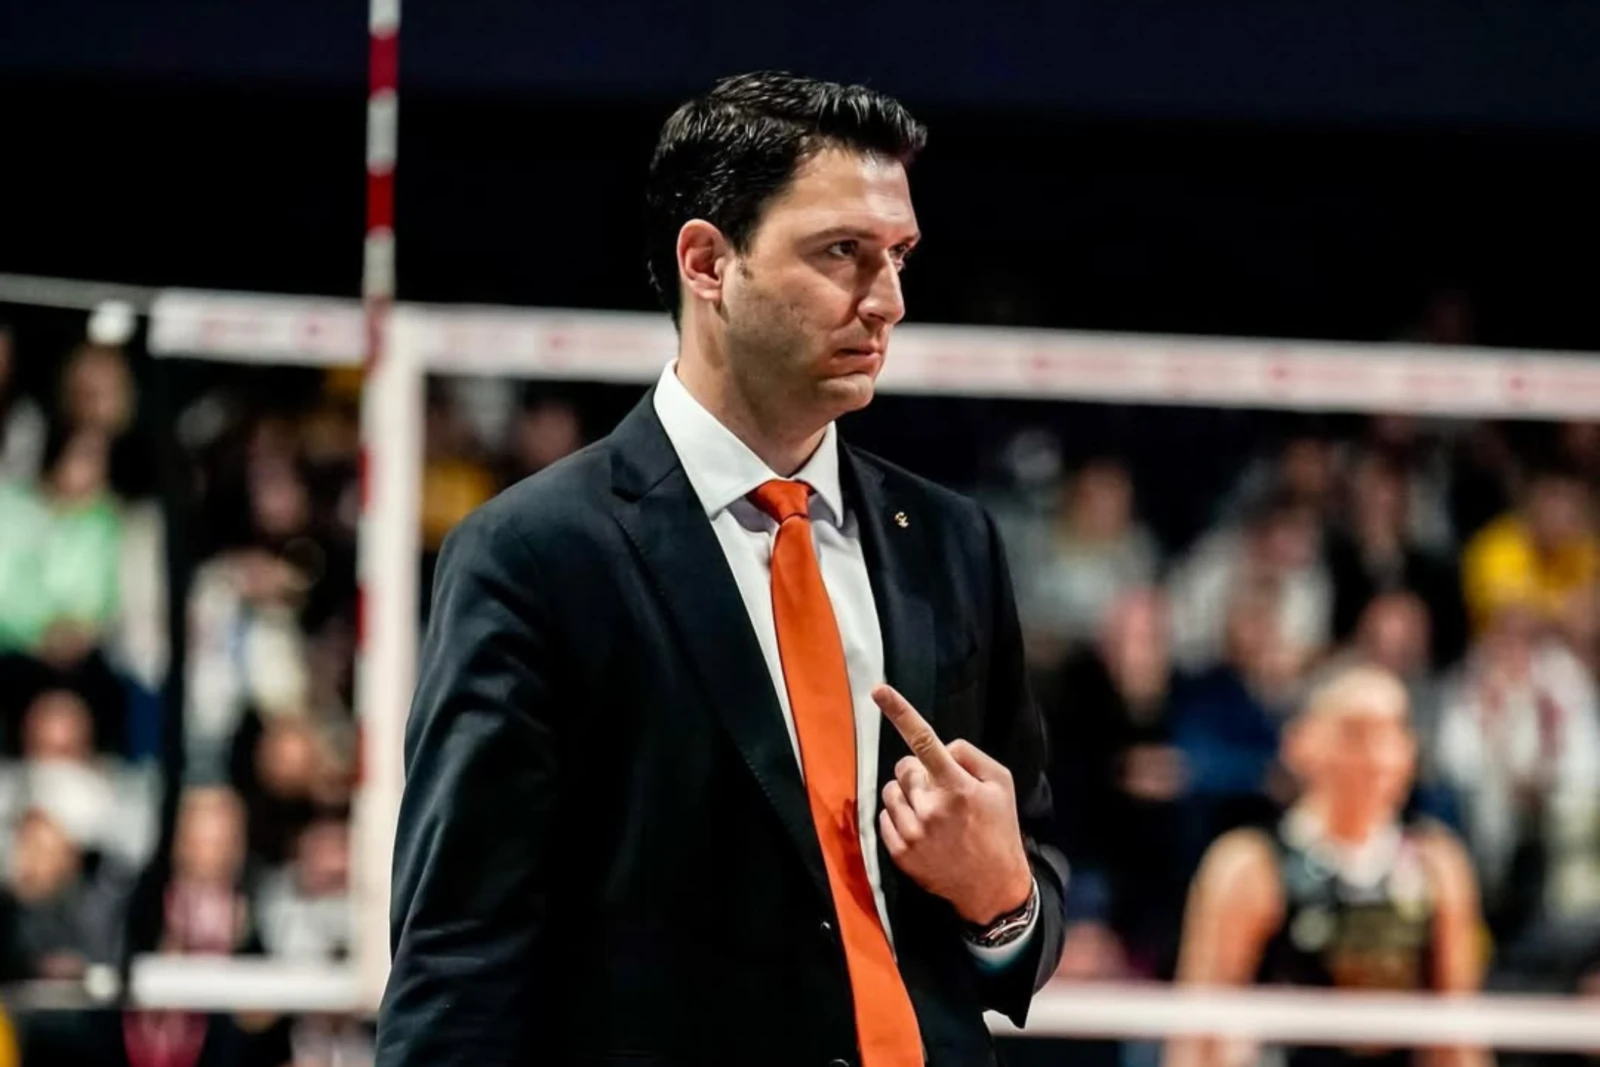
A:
x: 1311, y: 169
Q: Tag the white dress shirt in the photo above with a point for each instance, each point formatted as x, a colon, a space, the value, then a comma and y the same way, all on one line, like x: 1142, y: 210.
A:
x: 723, y: 471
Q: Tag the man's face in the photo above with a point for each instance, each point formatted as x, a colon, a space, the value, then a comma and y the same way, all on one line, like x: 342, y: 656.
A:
x: 808, y: 308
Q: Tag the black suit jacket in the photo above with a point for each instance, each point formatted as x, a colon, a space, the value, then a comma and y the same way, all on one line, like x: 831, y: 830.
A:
x: 605, y: 854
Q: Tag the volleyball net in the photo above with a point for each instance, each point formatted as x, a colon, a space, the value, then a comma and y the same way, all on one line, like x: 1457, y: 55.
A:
x: 940, y: 384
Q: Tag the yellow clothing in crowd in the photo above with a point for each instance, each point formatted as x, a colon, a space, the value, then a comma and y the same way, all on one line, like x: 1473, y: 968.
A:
x: 450, y: 489
x: 1500, y: 567
x: 10, y: 1055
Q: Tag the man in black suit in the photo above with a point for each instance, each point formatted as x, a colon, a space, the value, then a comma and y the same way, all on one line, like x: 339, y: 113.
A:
x: 652, y: 814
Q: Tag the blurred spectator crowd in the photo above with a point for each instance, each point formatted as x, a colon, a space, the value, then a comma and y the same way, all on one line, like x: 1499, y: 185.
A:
x: 1462, y: 557
x: 106, y: 851
x: 1466, y: 557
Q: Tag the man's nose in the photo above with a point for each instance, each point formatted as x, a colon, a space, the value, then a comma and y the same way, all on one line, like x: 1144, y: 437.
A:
x: 885, y: 302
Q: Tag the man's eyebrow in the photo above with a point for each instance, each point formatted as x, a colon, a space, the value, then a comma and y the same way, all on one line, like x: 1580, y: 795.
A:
x: 859, y: 232
x: 845, y: 229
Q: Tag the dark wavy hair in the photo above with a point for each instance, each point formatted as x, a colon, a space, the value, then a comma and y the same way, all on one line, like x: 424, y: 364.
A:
x: 724, y: 156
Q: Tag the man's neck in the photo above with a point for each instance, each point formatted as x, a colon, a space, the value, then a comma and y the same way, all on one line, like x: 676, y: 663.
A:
x: 761, y: 433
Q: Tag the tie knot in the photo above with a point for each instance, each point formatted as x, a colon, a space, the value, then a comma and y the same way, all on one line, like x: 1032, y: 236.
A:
x: 783, y: 500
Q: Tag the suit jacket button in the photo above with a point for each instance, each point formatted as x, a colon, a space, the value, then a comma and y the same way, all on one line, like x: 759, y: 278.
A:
x: 838, y: 1063
x: 827, y: 931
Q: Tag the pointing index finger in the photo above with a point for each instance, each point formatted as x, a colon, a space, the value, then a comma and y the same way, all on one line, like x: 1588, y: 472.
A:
x: 919, y: 736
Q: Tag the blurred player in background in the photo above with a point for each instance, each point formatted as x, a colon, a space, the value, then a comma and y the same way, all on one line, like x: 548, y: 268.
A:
x: 1343, y: 894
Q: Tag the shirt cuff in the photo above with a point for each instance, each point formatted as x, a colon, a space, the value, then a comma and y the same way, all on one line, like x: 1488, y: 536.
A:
x: 998, y: 958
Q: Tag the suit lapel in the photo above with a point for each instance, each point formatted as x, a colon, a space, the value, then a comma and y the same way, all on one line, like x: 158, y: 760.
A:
x: 661, y: 515
x: 894, y: 546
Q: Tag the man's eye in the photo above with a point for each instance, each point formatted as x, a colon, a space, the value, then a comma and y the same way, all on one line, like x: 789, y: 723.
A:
x: 844, y: 249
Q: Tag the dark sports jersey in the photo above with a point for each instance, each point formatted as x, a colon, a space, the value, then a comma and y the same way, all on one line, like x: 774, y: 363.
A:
x: 1365, y: 924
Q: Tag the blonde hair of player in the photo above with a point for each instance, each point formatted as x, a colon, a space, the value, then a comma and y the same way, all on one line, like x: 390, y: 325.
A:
x: 1237, y: 904
x: 1352, y: 685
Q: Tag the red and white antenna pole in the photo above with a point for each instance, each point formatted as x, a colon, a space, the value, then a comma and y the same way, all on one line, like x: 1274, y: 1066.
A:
x: 387, y: 536
x: 383, y: 124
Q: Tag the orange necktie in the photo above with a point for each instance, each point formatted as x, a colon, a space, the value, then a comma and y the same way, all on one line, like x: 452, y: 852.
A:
x: 824, y: 719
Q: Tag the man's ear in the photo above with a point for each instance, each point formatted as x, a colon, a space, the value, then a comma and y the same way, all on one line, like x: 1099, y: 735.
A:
x: 703, y: 258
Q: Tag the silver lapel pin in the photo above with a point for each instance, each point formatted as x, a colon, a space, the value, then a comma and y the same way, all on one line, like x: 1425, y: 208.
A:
x: 900, y: 520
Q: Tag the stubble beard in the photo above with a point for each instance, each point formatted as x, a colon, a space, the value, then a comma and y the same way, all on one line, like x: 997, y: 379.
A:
x: 769, y: 357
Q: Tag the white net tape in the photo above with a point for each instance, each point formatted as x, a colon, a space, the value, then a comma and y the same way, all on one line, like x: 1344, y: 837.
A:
x: 612, y: 346
x: 1149, y: 1012
x: 1311, y: 1017
x: 632, y: 347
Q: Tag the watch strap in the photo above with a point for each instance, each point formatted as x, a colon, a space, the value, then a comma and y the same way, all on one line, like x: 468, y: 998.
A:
x: 1008, y: 927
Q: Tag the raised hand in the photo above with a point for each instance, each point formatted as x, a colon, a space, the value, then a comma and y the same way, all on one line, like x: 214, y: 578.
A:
x: 949, y: 819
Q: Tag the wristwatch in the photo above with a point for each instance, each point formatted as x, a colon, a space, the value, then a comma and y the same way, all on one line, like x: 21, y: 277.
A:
x: 1008, y: 927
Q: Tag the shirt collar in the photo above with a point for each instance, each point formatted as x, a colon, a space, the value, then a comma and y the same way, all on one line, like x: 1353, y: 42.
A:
x: 721, y: 468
